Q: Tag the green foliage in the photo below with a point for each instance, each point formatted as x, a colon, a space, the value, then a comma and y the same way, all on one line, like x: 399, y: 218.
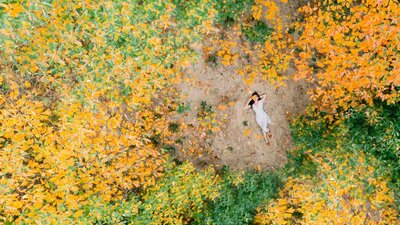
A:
x: 377, y: 131
x: 205, y: 109
x: 110, y: 213
x: 258, y: 32
x: 97, y: 213
x: 185, y: 9
x: 174, y: 127
x: 80, y: 79
x: 309, y: 134
x: 212, y: 60
x: 230, y: 10
x: 240, y: 196
x: 178, y: 197
x: 368, y: 140
x: 71, y: 153
x: 182, y: 108
x: 207, y: 118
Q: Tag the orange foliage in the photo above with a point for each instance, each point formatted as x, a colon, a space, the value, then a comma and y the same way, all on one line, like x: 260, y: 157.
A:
x: 350, y: 50
x: 272, y: 12
x: 80, y: 106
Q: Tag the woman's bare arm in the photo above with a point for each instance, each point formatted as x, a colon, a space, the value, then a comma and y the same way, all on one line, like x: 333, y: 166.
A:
x: 248, y: 105
x: 263, y: 97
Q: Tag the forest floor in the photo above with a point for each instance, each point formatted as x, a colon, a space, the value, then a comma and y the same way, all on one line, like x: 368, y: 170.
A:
x: 239, y: 143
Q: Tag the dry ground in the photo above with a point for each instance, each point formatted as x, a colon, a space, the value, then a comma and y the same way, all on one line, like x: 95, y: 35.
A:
x: 233, y: 145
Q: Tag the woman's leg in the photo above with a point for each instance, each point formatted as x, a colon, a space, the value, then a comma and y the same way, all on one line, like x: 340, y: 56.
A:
x: 265, y: 138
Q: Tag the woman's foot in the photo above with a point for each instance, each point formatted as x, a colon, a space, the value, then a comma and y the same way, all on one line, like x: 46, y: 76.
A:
x: 266, y: 139
x: 267, y: 142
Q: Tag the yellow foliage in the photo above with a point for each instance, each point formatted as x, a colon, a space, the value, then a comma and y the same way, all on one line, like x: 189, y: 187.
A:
x: 228, y: 56
x: 344, y: 191
x: 271, y: 12
x: 247, y: 132
x: 257, y: 11
x: 13, y: 9
x: 78, y: 106
x: 178, y: 197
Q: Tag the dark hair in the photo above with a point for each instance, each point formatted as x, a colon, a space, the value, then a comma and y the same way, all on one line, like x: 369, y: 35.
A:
x: 255, y: 93
x: 252, y: 101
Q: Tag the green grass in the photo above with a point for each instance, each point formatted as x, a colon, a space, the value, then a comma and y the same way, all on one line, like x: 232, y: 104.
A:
x: 205, y: 109
x: 182, y: 108
x: 258, y: 32
x: 212, y: 60
x: 174, y: 127
x: 309, y: 133
x: 376, y: 131
x: 237, y: 203
x: 229, y: 11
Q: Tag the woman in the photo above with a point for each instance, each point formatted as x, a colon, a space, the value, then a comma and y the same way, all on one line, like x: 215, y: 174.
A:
x: 256, y: 102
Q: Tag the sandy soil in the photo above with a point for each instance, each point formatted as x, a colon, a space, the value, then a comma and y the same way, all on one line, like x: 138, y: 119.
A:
x: 239, y: 143
x: 233, y: 145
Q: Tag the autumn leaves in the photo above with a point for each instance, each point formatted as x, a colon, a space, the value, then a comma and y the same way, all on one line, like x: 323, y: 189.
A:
x: 349, y: 49
x: 77, y: 87
x: 80, y: 124
x: 344, y: 191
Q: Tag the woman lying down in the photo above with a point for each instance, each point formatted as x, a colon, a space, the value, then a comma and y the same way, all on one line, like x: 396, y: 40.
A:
x: 256, y: 102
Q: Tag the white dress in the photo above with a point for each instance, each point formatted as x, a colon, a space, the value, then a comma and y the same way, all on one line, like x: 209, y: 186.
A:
x: 261, y: 116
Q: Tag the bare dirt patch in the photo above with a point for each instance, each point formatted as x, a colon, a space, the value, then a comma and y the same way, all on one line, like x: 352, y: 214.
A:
x: 233, y: 145
x: 239, y: 142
